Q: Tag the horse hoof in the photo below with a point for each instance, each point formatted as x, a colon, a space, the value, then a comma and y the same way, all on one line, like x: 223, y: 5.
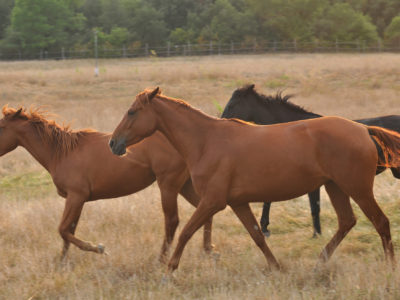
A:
x: 267, y: 233
x: 100, y: 249
x: 315, y: 235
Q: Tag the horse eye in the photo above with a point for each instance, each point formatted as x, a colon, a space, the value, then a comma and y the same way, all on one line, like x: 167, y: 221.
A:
x: 131, y: 112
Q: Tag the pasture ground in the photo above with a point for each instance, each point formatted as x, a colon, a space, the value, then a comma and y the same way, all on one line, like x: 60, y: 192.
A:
x: 131, y: 228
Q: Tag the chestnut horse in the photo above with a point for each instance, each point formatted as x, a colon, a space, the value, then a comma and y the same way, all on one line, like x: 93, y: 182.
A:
x: 84, y: 169
x: 232, y: 162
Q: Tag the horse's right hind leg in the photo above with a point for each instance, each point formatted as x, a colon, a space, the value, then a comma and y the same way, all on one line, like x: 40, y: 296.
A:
x: 171, y: 218
x: 346, y: 219
x: 381, y: 223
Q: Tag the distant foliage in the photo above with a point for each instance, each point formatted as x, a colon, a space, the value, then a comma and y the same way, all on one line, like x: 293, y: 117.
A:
x: 47, y: 25
x: 392, y: 32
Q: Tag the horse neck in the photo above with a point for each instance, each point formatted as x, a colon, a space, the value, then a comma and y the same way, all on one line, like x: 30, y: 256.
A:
x: 185, y: 128
x: 40, y: 150
x: 278, y: 113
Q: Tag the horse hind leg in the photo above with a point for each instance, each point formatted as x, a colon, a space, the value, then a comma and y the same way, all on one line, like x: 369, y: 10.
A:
x: 264, y: 221
x: 381, y: 223
x: 171, y: 219
x: 346, y: 219
x: 314, y: 198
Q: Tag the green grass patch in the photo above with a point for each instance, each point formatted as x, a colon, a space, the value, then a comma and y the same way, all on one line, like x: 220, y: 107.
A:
x: 31, y: 184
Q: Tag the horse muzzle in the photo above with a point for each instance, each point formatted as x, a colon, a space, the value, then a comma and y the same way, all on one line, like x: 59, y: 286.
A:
x: 118, y: 147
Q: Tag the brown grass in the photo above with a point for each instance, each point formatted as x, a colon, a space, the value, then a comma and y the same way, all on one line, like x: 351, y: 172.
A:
x: 352, y: 86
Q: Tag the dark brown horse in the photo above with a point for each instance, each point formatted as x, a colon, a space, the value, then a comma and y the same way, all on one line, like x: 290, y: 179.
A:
x: 84, y: 169
x: 232, y: 162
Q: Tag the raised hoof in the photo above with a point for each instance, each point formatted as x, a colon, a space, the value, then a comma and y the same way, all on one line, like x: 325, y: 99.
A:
x: 266, y: 232
x: 101, y: 249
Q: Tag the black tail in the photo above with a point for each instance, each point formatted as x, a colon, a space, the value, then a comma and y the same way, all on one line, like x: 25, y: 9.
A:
x: 389, y: 142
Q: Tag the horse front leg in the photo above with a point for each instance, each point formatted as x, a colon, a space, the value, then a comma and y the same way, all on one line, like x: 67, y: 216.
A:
x: 204, y: 211
x: 190, y: 195
x: 68, y: 224
x: 245, y: 215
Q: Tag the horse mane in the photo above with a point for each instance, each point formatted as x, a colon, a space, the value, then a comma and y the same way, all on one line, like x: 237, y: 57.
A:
x: 277, y: 99
x: 142, y: 97
x: 61, y: 137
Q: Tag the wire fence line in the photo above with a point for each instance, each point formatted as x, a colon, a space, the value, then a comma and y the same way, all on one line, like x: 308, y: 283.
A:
x: 211, y: 48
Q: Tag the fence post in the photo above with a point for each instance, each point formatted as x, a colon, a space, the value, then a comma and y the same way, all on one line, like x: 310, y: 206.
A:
x: 295, y: 45
x: 189, y: 50
x: 168, y: 49
x: 96, y: 66
x: 274, y: 47
x: 379, y: 45
x: 337, y: 45
x: 146, y: 50
x: 62, y: 53
x: 184, y: 50
x: 358, y: 45
x: 232, y: 48
x: 211, y: 47
x: 123, y: 51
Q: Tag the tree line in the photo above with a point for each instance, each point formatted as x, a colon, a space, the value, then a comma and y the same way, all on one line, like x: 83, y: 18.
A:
x: 29, y: 26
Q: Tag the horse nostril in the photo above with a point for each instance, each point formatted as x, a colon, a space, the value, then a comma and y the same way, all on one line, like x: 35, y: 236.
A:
x: 111, y: 143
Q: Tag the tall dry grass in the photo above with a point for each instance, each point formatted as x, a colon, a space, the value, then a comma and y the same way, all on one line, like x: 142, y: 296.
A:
x: 352, y: 86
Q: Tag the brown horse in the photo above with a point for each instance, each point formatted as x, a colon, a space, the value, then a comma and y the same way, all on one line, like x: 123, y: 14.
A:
x: 84, y: 169
x: 232, y: 162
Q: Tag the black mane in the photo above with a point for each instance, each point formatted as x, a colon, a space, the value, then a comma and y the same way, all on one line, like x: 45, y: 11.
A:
x: 278, y: 99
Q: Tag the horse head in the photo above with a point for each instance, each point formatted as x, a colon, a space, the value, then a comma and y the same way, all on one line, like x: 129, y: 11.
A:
x: 138, y: 123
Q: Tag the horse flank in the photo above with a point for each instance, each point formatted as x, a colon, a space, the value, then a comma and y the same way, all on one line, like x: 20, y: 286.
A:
x: 62, y: 138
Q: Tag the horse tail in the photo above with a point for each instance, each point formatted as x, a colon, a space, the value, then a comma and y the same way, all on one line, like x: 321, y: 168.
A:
x: 389, y: 144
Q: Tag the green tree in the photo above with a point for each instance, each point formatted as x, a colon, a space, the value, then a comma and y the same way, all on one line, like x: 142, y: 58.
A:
x: 392, y: 32
x: 381, y: 12
x: 288, y: 19
x: 181, y: 36
x: 145, y: 23
x: 118, y: 36
x: 341, y: 22
x: 43, y: 24
x: 5, y: 12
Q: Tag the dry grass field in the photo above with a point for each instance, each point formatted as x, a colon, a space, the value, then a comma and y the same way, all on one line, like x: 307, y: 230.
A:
x: 131, y: 228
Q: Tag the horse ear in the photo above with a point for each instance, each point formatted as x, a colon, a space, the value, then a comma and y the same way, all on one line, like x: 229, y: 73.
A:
x: 17, y: 113
x: 251, y: 87
x: 154, y: 93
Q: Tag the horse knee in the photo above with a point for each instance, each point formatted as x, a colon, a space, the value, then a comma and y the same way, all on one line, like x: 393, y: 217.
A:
x: 348, y: 224
x: 383, y: 226
x: 63, y: 232
x: 174, y: 221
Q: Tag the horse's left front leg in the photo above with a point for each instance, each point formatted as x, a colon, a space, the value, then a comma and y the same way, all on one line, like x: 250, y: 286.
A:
x: 204, y: 211
x: 72, y: 211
